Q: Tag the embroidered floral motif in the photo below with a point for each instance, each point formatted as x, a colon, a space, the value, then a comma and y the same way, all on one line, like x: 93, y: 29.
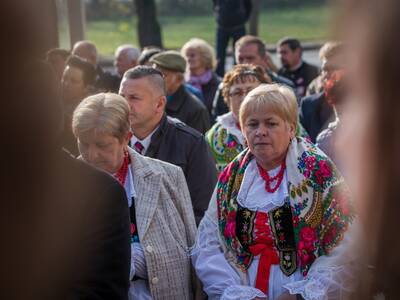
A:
x: 317, y: 169
x: 306, y: 248
x: 224, y: 146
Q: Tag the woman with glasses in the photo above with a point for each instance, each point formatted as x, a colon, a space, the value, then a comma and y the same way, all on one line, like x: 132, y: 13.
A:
x: 225, y: 138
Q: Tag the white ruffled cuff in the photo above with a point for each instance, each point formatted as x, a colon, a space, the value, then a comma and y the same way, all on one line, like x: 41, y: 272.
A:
x: 241, y: 292
x: 320, y: 284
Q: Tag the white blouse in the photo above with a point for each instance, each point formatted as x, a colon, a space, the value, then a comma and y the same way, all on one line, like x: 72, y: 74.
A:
x: 221, y: 281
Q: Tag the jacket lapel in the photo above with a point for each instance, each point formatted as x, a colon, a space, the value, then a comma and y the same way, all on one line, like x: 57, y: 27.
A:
x: 146, y: 181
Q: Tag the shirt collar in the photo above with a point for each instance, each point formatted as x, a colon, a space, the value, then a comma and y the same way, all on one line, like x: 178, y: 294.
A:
x: 145, y: 142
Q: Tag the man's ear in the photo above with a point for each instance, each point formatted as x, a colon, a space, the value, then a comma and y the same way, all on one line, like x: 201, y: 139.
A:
x: 161, y: 102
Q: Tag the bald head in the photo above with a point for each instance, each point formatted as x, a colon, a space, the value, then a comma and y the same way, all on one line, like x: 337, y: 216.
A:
x: 86, y: 50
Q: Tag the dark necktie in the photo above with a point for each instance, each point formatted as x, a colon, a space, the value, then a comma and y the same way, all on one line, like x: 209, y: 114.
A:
x: 139, y: 147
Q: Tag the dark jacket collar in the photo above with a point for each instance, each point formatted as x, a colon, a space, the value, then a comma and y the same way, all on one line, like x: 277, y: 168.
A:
x: 177, y: 99
x: 156, y: 138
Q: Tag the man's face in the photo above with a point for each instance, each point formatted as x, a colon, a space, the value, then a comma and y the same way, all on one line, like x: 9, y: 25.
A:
x: 143, y: 100
x: 289, y: 58
x: 330, y: 65
x: 248, y: 54
x: 122, y: 62
x: 73, y: 86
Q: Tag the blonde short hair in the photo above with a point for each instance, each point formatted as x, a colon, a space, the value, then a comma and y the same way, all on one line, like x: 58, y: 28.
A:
x: 207, y: 53
x: 279, y: 98
x: 330, y: 49
x: 104, y: 112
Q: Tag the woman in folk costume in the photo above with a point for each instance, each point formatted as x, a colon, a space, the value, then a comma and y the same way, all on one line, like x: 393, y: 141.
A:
x: 162, y: 222
x: 277, y: 219
x: 225, y: 137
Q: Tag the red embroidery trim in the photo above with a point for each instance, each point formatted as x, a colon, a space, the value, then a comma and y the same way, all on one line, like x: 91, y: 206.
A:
x: 269, y: 180
x: 123, y: 170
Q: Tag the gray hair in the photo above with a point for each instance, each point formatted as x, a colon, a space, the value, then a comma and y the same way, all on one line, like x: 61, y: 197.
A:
x: 132, y: 52
x: 207, y: 53
x: 153, y: 75
x: 104, y: 112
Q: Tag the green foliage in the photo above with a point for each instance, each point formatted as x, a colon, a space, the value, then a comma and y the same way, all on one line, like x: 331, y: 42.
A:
x: 307, y: 23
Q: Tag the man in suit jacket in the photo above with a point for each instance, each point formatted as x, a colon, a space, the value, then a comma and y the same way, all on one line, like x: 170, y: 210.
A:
x: 158, y: 136
x: 315, y: 114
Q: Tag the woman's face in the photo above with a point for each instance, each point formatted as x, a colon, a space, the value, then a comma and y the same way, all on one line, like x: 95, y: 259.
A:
x: 194, y: 60
x: 238, y: 91
x: 268, y: 137
x: 102, y: 150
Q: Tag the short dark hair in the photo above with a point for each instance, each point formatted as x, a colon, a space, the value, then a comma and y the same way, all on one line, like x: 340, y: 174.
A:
x: 251, y: 39
x: 148, y: 53
x: 88, y: 70
x: 57, y: 51
x: 154, y: 75
x: 291, y: 42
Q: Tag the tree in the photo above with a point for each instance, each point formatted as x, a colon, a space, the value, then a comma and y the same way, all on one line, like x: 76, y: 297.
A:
x: 253, y: 22
x: 149, y: 31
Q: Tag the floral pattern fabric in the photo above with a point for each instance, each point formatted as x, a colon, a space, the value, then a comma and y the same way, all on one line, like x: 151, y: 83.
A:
x: 318, y: 197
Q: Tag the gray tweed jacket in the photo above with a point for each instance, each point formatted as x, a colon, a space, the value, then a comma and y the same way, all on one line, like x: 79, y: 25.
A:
x: 166, y: 227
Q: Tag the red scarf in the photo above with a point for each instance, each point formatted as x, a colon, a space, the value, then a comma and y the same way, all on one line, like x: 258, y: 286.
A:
x: 120, y: 175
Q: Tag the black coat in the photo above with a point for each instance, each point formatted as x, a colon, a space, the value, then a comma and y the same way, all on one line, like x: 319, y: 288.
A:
x: 301, y: 77
x: 176, y: 143
x: 190, y: 110
x: 315, y: 114
x: 232, y: 13
x: 94, y: 207
x: 209, y: 89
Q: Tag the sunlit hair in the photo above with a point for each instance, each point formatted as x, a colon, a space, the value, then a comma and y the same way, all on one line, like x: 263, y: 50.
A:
x: 105, y: 112
x: 330, y: 49
x: 279, y: 98
x: 207, y: 53
x: 241, y: 74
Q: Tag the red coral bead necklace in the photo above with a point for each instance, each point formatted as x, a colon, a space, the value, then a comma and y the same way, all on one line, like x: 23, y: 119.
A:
x: 269, y: 180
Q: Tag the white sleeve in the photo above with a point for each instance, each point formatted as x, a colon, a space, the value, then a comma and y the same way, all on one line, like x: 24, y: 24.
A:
x: 331, y: 276
x: 220, y: 280
x: 138, y: 262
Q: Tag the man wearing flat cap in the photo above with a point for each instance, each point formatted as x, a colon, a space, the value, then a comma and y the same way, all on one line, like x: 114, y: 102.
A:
x: 181, y: 104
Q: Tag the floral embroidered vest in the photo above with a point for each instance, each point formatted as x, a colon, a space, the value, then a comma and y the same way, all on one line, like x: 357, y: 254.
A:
x: 318, y: 201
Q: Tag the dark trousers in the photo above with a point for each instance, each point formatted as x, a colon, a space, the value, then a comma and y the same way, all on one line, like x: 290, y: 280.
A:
x: 223, y: 36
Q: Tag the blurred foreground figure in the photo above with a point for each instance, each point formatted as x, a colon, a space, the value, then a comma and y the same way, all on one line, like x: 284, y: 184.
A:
x: 64, y: 225
x: 371, y: 141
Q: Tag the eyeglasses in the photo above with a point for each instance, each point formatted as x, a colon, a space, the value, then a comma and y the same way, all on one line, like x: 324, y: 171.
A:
x: 240, y: 93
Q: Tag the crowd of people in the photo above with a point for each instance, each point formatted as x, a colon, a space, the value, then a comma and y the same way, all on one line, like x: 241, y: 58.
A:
x: 233, y: 156
x: 163, y: 180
